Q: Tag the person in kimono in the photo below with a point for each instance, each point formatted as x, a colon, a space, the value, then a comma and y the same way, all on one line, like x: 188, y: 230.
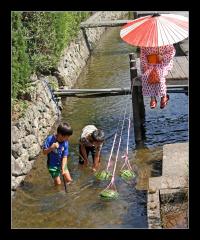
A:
x: 155, y: 64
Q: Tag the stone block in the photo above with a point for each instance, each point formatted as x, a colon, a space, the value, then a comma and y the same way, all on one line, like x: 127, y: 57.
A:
x: 168, y: 182
x: 175, y: 159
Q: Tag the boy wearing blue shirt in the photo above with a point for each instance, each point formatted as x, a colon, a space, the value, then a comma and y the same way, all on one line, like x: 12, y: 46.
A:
x: 56, y: 149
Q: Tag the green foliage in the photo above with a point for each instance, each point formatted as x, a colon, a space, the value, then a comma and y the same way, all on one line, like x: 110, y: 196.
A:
x: 48, y: 33
x: 38, y: 39
x: 53, y: 84
x: 20, y: 62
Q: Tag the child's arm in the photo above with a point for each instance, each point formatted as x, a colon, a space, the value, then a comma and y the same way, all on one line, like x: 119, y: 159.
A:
x: 64, y: 162
x: 51, y: 148
x: 97, y: 158
x: 84, y: 154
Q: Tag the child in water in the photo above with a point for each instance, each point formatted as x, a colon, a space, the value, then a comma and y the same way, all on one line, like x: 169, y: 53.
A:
x: 56, y: 148
x: 91, y: 140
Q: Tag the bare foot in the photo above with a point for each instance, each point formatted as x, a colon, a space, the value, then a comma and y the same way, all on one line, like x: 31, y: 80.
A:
x: 69, y: 181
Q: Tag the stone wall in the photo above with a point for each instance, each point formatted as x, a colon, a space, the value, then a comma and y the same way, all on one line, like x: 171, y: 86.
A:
x: 75, y: 57
x: 28, y: 132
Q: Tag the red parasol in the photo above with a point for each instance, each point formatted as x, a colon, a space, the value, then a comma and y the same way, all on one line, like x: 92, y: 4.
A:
x: 155, y: 30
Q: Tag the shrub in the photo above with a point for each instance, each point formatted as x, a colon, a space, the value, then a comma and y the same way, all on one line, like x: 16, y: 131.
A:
x: 20, y: 61
x: 38, y: 39
x: 48, y: 33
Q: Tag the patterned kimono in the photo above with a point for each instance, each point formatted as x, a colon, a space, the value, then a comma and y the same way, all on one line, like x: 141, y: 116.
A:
x: 167, y: 52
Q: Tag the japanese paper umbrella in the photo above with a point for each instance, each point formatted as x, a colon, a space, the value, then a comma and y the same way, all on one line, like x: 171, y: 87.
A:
x: 155, y: 30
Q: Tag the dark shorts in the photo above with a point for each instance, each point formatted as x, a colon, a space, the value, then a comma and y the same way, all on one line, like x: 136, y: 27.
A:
x: 88, y: 150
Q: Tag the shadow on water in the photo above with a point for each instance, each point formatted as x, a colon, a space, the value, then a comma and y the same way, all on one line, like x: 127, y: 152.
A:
x: 38, y: 204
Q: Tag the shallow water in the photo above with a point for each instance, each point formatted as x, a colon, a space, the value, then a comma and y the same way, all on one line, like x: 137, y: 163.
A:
x: 38, y: 204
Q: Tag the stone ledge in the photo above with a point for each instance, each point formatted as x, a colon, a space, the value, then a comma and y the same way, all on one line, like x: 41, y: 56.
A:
x: 166, y: 182
x: 175, y: 159
x: 172, y: 186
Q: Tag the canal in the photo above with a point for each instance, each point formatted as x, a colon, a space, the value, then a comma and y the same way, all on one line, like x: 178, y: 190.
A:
x: 38, y: 204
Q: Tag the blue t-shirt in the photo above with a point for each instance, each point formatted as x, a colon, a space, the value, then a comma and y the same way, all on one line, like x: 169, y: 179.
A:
x: 55, y: 157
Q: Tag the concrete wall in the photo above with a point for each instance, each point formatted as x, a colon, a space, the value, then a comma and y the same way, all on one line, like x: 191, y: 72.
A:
x: 29, y: 132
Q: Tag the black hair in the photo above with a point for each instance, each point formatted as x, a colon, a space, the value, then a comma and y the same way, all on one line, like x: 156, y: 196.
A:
x: 65, y: 129
x: 98, y: 135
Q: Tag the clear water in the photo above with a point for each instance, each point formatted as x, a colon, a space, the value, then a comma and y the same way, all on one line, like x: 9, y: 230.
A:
x: 38, y: 204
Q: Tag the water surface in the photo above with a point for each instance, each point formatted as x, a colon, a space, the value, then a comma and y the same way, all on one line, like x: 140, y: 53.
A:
x: 38, y: 204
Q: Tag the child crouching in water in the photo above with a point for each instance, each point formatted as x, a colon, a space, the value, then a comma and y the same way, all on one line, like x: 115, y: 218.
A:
x: 56, y: 149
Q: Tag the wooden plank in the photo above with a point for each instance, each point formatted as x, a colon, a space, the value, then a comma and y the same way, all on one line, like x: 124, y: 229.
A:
x: 94, y: 90
x: 114, y: 91
x: 171, y: 83
x: 183, y: 63
x: 177, y: 82
x: 169, y: 76
x: 176, y: 71
x: 113, y: 23
x: 95, y: 95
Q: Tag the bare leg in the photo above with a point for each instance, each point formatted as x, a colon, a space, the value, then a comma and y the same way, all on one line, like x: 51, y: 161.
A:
x: 57, y: 181
x: 153, y: 102
x: 164, y: 100
x: 67, y: 177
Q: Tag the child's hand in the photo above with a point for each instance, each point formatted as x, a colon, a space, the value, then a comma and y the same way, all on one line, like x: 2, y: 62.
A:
x: 94, y: 169
x: 55, y: 145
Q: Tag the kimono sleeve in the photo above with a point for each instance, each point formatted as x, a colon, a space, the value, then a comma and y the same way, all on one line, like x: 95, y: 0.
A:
x: 168, y: 54
x: 143, y: 60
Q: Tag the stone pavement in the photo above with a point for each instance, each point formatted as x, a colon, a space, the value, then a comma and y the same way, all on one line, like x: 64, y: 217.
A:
x: 172, y: 184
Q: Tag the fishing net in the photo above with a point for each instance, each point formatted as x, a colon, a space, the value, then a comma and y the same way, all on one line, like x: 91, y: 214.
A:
x: 106, y: 174
x: 103, y: 175
x: 110, y: 193
x: 126, y: 171
x: 127, y: 174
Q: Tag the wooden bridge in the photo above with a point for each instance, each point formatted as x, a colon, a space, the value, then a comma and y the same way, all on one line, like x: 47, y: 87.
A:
x: 177, y: 81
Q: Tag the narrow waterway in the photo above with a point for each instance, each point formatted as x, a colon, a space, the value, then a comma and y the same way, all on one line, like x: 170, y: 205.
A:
x: 38, y: 204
